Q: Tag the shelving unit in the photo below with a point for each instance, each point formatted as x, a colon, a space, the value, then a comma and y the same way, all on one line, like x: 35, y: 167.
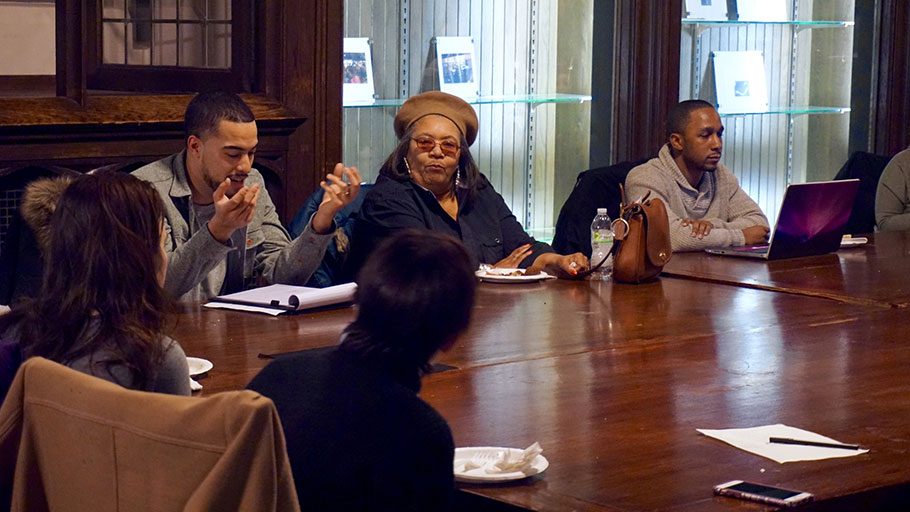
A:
x: 534, y: 132
x: 803, y: 135
x: 484, y: 100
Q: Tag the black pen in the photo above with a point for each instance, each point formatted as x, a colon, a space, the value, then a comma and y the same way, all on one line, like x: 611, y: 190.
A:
x: 820, y: 444
x: 273, y: 305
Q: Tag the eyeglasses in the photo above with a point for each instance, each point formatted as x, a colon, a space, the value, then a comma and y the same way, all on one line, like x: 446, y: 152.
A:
x: 427, y: 144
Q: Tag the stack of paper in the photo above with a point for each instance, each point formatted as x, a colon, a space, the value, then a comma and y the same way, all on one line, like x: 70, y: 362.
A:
x: 281, y: 298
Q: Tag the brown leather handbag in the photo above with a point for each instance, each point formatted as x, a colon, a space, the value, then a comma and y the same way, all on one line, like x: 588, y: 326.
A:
x: 641, y: 240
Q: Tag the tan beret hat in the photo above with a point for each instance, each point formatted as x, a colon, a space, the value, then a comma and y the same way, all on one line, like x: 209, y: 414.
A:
x: 439, y: 103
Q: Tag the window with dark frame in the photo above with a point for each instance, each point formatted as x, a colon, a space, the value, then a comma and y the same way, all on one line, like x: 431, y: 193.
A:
x: 170, y: 45
x: 182, y: 33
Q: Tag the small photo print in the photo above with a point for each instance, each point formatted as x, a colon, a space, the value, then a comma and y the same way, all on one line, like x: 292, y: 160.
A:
x: 455, y: 60
x: 457, y: 68
x: 355, y: 68
x: 741, y: 88
x: 706, y: 10
x: 357, y: 71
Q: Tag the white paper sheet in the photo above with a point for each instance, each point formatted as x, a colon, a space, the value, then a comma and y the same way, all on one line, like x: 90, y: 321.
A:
x: 755, y: 440
x: 739, y: 82
x: 286, y: 295
x: 762, y: 10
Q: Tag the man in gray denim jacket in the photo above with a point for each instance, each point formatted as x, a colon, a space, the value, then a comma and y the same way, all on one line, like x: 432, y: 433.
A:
x: 223, y: 233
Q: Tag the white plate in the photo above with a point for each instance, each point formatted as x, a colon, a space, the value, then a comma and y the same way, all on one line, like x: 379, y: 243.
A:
x: 462, y: 455
x: 198, y: 365
x: 501, y: 275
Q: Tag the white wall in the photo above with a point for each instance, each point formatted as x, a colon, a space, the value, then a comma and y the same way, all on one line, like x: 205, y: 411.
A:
x: 27, y: 32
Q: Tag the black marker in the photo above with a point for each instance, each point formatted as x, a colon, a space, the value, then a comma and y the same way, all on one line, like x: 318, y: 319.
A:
x: 820, y: 444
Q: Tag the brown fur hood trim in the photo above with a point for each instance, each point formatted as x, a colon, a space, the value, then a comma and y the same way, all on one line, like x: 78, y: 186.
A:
x: 38, y: 205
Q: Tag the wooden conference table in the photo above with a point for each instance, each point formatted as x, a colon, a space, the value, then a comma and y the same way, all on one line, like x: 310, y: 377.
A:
x: 875, y: 274
x: 614, y: 379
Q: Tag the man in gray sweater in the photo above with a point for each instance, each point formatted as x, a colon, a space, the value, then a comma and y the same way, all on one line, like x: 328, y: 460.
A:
x: 223, y: 233
x: 705, y: 204
x: 892, y: 199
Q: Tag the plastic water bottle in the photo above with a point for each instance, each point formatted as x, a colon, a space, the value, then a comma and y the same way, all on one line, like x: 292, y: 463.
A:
x: 601, y: 243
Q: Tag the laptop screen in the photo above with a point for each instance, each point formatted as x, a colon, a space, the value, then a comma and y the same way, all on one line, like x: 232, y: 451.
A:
x: 812, y: 218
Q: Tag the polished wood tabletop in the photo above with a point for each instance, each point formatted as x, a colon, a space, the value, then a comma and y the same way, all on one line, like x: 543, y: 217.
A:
x: 618, y: 424
x: 518, y: 322
x: 613, y: 380
x: 875, y: 274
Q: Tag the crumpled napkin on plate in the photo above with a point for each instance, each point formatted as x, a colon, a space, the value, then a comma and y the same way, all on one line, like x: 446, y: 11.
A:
x: 505, y: 462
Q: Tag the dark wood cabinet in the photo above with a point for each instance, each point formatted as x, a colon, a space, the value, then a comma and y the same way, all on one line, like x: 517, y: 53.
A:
x: 294, y: 89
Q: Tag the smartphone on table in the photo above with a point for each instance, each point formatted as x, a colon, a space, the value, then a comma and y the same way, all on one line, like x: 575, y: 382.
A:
x: 762, y: 493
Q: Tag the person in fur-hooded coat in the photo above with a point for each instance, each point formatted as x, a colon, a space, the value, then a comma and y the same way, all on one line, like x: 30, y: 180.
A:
x: 28, y: 237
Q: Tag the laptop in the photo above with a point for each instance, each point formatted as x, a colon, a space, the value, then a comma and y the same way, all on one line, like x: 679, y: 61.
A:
x: 811, y: 221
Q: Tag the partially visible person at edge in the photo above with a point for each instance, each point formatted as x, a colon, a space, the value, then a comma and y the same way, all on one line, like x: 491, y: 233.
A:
x: 354, y: 408
x: 892, y: 198
x: 102, y: 309
x: 430, y: 181
x: 223, y: 233
x: 705, y: 204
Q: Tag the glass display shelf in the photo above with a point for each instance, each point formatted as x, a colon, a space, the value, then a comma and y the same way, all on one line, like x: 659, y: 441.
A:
x: 804, y: 24
x: 793, y: 110
x: 483, y: 100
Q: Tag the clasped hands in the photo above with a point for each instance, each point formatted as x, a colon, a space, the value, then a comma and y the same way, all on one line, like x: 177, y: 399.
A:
x: 562, y: 266
x: 752, y: 235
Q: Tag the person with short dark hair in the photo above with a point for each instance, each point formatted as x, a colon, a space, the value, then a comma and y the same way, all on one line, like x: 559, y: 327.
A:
x: 892, y: 196
x: 223, y: 233
x: 430, y: 181
x: 358, y: 436
x: 101, y: 309
x: 705, y: 204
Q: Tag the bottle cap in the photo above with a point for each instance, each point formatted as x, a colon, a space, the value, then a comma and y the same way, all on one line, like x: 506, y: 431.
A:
x: 601, y: 211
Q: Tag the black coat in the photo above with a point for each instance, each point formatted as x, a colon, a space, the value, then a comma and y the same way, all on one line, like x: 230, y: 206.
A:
x: 357, y: 437
x: 485, y: 224
x: 595, y: 188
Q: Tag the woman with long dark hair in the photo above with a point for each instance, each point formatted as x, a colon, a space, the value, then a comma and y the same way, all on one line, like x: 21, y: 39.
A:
x: 102, y: 309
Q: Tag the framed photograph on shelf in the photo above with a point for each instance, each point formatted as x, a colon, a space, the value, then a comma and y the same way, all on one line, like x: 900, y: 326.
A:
x: 456, y: 63
x: 357, y: 78
x: 708, y: 10
x: 739, y: 79
x: 762, y: 10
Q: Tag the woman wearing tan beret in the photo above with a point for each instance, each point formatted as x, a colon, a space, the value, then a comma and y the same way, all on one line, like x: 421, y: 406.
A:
x: 430, y: 181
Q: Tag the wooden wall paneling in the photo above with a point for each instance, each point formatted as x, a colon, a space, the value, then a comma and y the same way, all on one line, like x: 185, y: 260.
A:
x: 863, y: 76
x: 312, y: 31
x: 891, y: 104
x: 270, y: 61
x: 71, y: 42
x: 118, y: 129
x: 646, y: 74
x: 21, y: 86
x: 602, y: 86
